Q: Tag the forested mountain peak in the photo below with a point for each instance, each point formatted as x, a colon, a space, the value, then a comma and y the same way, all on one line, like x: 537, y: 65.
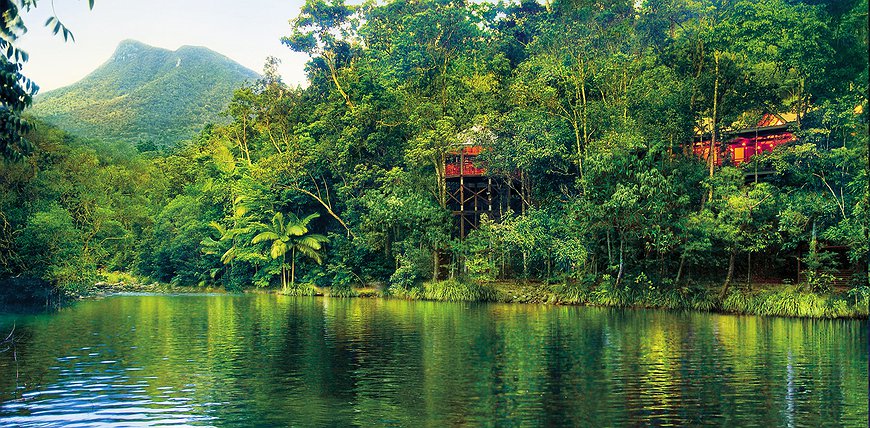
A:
x: 130, y: 46
x: 146, y: 95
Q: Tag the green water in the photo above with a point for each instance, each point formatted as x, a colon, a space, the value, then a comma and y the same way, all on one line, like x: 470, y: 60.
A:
x: 276, y: 361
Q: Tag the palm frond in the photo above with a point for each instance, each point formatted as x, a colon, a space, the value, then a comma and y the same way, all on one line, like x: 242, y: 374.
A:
x: 209, y: 246
x: 229, y: 255
x: 265, y: 236
x: 279, y: 248
x: 296, y: 229
x: 319, y: 237
x: 311, y: 253
x: 311, y: 241
x: 278, y: 223
x: 218, y: 227
x: 308, y: 219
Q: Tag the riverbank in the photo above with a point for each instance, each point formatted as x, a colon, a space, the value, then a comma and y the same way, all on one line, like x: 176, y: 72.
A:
x: 101, y: 288
x: 778, y: 300
x: 770, y: 300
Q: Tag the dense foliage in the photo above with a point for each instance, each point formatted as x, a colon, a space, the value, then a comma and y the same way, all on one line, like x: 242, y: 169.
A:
x: 18, y: 90
x: 147, y: 96
x: 591, y: 105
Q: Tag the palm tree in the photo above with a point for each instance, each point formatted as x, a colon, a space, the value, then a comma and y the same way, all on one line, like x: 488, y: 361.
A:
x: 210, y: 246
x: 290, y: 235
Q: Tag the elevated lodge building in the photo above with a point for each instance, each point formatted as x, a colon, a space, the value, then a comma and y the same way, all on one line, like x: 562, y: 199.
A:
x: 471, y: 193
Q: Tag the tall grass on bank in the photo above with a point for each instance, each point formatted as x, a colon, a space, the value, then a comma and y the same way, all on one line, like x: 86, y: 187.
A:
x: 341, y: 291
x: 304, y: 289
x: 790, y: 301
x: 786, y: 301
x: 450, y: 290
x: 607, y: 294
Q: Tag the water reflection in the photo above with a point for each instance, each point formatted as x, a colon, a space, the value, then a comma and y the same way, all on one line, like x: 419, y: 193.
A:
x: 267, y: 360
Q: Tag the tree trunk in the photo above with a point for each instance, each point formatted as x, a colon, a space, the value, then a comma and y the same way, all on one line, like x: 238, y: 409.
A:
x: 661, y: 265
x: 713, y: 135
x: 680, y: 269
x: 525, y: 266
x: 293, y: 269
x: 749, y: 270
x: 284, y: 273
x: 621, y: 264
x: 800, y: 103
x: 436, y: 260
x: 730, y: 275
x: 548, y: 271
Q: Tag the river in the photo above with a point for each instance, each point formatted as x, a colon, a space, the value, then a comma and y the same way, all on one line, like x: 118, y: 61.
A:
x: 265, y: 360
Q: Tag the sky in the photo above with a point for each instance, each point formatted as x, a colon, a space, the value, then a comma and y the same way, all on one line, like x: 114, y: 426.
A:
x: 245, y: 30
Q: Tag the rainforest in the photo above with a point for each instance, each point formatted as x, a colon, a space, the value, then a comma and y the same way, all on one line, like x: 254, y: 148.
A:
x: 566, y: 152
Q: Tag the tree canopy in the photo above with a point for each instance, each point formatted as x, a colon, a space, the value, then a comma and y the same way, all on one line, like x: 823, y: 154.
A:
x: 591, y: 106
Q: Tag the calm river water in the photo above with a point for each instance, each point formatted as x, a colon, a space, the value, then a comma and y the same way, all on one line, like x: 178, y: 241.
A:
x: 263, y: 360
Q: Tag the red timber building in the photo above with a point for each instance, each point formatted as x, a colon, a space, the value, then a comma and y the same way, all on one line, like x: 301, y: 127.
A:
x: 471, y: 193
x: 738, y: 147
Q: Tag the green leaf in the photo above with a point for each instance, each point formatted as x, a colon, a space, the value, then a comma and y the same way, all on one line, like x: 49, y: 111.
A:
x: 279, y: 248
x: 265, y: 236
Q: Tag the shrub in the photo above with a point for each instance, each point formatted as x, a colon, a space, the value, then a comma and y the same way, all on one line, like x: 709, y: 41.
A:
x: 341, y: 291
x: 480, y: 267
x: 790, y: 302
x: 406, y: 276
x: 73, y: 277
x: 571, y: 293
x: 453, y: 290
x: 606, y: 293
x: 116, y: 277
x: 817, y: 281
x: 401, y: 292
x: 301, y: 289
x: 859, y: 293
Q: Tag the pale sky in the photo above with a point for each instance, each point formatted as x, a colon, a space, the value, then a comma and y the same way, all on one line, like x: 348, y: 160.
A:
x: 245, y: 30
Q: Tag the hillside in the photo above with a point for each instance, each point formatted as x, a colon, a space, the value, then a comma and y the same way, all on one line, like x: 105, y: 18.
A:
x: 144, y: 94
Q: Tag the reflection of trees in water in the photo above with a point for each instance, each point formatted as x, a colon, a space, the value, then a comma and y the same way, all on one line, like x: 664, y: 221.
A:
x: 277, y: 360
x: 7, y: 345
x: 14, y: 370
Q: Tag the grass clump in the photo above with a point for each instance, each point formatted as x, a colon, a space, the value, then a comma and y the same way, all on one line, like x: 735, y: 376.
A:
x: 305, y: 289
x: 703, y: 300
x: 398, y: 291
x: 341, y: 291
x: 570, y: 293
x: 607, y: 293
x: 454, y: 290
x: 791, y: 301
x: 450, y: 290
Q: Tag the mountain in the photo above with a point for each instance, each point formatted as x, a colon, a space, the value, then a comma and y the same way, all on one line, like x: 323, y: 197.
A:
x: 146, y: 95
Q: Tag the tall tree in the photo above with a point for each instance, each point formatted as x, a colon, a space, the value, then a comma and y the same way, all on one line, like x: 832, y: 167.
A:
x: 290, y: 234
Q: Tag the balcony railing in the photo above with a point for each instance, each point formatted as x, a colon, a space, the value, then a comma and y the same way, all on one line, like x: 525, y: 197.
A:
x: 464, y: 163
